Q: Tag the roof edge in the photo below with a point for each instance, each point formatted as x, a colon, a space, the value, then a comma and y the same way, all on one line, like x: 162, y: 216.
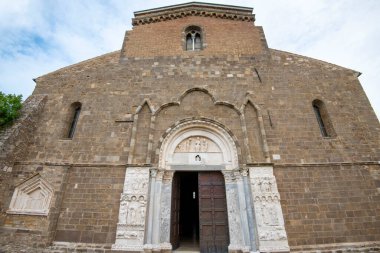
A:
x: 357, y: 73
x: 221, y: 6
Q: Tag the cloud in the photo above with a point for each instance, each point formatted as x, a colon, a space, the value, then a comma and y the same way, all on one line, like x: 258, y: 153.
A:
x: 40, y: 36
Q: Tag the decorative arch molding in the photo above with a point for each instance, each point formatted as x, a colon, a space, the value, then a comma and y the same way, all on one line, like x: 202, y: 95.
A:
x: 162, y: 107
x: 32, y: 197
x: 201, y: 127
x: 261, y: 126
x: 249, y: 100
x: 184, y: 94
x: 145, y: 102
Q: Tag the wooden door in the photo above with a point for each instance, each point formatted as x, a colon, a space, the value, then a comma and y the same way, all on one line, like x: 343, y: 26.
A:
x: 174, y: 231
x: 213, y: 220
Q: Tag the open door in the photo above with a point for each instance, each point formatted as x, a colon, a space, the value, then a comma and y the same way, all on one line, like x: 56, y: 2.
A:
x: 213, y: 219
x: 174, y: 231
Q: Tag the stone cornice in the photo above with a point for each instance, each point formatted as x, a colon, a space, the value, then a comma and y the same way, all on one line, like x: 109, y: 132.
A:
x: 193, y: 9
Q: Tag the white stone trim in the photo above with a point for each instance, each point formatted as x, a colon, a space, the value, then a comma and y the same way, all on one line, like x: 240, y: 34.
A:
x: 272, y: 236
x: 130, y: 229
x: 199, y: 128
x: 24, y: 203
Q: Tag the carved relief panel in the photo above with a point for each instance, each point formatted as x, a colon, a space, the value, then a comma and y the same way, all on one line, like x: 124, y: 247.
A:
x: 32, y: 197
x: 132, y: 212
x: 270, y: 222
x: 197, y: 150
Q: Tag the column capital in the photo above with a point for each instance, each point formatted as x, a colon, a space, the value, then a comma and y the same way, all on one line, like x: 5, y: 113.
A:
x: 153, y: 172
x: 168, y: 175
x: 238, y: 175
x: 244, y: 172
x: 229, y: 176
x: 160, y: 174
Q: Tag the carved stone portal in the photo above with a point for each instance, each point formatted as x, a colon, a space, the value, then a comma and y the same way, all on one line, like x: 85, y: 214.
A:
x: 32, y: 197
x: 197, y: 150
x: 270, y: 222
x: 132, y: 212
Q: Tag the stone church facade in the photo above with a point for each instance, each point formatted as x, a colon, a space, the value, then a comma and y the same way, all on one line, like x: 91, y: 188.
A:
x: 195, y: 131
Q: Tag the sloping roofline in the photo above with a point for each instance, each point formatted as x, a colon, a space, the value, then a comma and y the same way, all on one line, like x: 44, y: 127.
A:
x: 219, y: 6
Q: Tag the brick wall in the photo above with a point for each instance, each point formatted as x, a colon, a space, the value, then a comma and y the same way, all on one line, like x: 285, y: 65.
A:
x: 15, y: 138
x: 36, y: 231
x: 90, y: 207
x: 221, y: 37
x: 329, y: 204
x: 111, y: 90
x: 322, y: 203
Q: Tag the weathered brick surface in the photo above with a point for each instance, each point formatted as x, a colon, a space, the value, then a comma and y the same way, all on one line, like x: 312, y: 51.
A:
x: 21, y: 231
x: 293, y: 131
x: 329, y: 204
x: 15, y: 139
x: 90, y: 206
x: 223, y: 37
x: 131, y: 97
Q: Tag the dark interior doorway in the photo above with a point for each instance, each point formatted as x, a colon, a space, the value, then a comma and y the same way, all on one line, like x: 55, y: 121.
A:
x: 189, y: 215
x: 199, y: 219
x: 185, y: 207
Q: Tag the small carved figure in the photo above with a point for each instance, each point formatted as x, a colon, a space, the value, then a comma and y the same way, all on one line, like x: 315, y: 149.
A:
x: 197, y: 145
x: 123, y: 212
x: 141, y: 214
x: 204, y: 145
x: 188, y: 145
x: 132, y: 210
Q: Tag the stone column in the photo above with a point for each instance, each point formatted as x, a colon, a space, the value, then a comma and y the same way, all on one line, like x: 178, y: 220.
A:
x: 237, y: 242
x: 157, y: 209
x: 149, y: 229
x: 270, y: 222
x: 166, y: 200
x: 133, y: 207
x: 243, y: 211
x: 251, y: 217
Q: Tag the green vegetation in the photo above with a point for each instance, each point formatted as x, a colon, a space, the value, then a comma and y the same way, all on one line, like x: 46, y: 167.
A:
x: 10, y: 106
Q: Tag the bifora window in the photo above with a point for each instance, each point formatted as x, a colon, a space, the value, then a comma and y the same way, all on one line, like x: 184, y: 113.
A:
x: 193, y: 38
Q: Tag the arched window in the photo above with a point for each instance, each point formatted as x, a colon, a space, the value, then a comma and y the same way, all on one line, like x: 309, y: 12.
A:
x: 193, y: 38
x: 75, y: 111
x: 323, y: 119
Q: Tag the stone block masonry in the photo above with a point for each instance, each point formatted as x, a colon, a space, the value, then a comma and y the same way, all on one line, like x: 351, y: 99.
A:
x: 329, y: 204
x: 133, y: 100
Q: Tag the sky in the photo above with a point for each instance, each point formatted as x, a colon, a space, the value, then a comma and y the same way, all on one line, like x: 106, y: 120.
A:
x: 40, y: 36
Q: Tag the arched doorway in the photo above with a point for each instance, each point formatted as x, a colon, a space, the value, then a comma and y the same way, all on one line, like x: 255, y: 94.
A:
x: 198, y: 154
x: 208, y: 151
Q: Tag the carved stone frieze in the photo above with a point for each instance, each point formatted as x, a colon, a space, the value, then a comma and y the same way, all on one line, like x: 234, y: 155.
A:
x: 197, y: 144
x: 215, y: 138
x: 268, y: 212
x: 132, y: 212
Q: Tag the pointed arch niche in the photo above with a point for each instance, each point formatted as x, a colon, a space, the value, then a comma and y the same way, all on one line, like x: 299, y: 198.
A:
x: 32, y: 197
